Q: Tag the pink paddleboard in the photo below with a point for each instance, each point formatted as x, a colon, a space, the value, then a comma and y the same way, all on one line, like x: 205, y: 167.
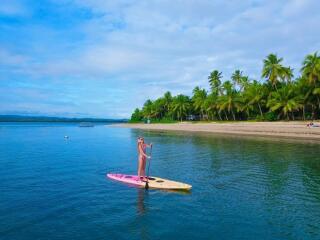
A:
x: 153, y: 182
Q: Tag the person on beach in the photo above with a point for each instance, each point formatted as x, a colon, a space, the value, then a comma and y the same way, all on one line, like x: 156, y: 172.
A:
x: 142, y: 159
x: 311, y: 124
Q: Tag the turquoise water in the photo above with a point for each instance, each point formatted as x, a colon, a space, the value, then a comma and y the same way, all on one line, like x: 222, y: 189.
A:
x: 55, y: 188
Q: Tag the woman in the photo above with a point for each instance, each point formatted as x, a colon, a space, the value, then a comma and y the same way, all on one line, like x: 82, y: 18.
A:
x: 142, y: 158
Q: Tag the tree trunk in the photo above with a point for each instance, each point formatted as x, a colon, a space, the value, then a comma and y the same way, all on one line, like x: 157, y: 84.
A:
x: 260, y: 110
x: 304, y: 112
x: 219, y: 116
x: 312, y: 107
x: 234, y: 117
x: 226, y: 115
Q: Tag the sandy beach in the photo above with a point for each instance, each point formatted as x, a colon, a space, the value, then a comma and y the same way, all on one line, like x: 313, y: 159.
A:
x: 290, y: 130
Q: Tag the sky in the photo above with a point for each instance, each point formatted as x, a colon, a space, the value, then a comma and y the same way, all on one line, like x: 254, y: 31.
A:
x: 100, y: 58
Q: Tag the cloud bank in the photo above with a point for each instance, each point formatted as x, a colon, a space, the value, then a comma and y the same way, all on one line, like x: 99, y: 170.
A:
x: 104, y: 58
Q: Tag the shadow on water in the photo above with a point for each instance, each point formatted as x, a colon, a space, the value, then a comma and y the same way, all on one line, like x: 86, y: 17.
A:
x: 141, y: 206
x: 145, y: 207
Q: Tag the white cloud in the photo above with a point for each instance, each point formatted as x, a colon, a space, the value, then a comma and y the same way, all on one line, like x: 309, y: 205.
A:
x: 154, y: 46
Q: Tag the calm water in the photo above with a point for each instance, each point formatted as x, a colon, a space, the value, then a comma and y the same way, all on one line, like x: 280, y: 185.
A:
x: 55, y: 188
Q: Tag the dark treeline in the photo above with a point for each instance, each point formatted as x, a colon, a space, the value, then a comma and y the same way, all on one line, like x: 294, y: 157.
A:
x: 278, y: 95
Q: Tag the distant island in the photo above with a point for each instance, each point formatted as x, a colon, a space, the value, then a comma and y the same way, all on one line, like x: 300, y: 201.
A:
x: 19, y: 118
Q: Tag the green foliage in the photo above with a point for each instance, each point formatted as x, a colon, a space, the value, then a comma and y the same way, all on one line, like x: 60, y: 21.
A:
x: 136, y: 116
x: 215, y: 81
x: 280, y: 96
x: 180, y: 106
x: 270, y: 116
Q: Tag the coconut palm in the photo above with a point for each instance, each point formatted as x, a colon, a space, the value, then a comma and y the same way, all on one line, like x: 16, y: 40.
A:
x: 180, y: 106
x: 305, y: 94
x: 212, y: 105
x: 147, y: 109
x: 230, y: 100
x: 239, y: 79
x: 311, y: 68
x: 284, y: 101
x: 245, y: 106
x: 255, y: 94
x: 311, y: 71
x: 273, y: 70
x: 158, y: 108
x: 167, y: 101
x: 215, y: 81
x: 199, y: 100
x: 136, y: 115
x: 287, y: 74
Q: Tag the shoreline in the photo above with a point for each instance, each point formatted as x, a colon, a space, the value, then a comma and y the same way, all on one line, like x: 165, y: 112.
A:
x: 283, y: 130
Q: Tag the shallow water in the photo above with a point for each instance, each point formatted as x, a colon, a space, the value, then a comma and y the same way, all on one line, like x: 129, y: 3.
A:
x: 55, y: 188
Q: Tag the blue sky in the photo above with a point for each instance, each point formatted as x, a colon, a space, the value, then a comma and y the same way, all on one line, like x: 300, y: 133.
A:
x: 100, y: 58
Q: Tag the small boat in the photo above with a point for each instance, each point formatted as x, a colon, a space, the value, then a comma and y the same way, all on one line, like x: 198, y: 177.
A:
x: 86, y: 124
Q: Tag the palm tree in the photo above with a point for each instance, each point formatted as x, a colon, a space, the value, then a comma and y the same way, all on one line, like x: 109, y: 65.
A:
x: 215, y: 81
x: 167, y: 101
x: 244, y: 82
x: 285, y: 101
x: 180, y: 106
x: 230, y: 100
x: 311, y: 68
x: 287, y: 74
x: 212, y: 105
x: 272, y: 70
x: 147, y: 109
x: 158, y: 109
x: 255, y: 94
x: 239, y: 79
x: 245, y: 106
x: 311, y: 71
x: 199, y: 100
x: 136, y: 115
x: 305, y: 94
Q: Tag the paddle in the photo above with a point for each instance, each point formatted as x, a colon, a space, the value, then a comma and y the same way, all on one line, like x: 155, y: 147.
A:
x: 147, y: 182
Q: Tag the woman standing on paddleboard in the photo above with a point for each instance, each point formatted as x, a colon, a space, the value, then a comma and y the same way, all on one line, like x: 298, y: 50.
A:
x: 142, y: 158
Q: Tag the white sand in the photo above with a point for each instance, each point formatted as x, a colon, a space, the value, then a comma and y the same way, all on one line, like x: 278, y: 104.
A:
x: 292, y: 130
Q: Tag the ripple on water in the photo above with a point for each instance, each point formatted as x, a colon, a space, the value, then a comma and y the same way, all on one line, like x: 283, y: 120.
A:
x: 242, y: 189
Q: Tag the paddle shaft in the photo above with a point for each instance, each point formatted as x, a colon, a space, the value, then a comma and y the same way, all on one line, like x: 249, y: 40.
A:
x: 147, y: 182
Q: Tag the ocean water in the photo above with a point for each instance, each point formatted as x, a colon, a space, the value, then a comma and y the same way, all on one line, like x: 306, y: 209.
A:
x: 53, y: 187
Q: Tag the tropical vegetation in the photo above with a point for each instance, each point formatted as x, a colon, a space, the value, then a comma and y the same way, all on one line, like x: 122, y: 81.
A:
x: 277, y: 95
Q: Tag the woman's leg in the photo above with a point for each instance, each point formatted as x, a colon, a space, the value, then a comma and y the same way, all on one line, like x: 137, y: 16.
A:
x: 144, y: 167
x: 140, y: 164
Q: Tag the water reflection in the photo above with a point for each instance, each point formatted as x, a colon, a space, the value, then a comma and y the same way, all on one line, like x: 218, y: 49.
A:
x: 141, y: 206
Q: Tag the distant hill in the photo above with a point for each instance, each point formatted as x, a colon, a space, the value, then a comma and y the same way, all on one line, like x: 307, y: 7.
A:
x: 18, y: 118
